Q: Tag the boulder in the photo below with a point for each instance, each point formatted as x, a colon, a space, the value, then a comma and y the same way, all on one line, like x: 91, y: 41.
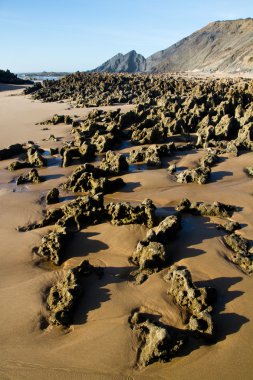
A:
x: 11, y: 151
x: 113, y: 163
x: 52, y: 245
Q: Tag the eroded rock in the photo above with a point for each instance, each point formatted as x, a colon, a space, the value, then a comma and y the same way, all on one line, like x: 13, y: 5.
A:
x: 113, y: 163
x: 195, y: 303
x: 31, y: 177
x: 123, y: 213
x: 52, y: 196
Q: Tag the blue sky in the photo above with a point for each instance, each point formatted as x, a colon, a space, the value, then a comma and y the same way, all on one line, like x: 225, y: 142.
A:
x: 70, y: 35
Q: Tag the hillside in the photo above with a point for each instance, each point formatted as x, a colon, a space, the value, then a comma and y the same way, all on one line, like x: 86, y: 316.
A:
x: 131, y: 62
x: 225, y: 46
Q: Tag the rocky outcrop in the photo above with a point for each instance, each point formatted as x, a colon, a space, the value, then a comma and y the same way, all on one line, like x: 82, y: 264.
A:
x: 73, y: 215
x: 63, y: 296
x: 34, y: 159
x: 205, y: 209
x: 58, y: 119
x: 123, y: 213
x: 241, y: 255
x: 31, y: 177
x: 195, y: 303
x: 82, y: 180
x: 52, y: 245
x: 150, y: 254
x: 120, y: 63
x: 52, y: 196
x: 113, y: 163
x: 156, y: 342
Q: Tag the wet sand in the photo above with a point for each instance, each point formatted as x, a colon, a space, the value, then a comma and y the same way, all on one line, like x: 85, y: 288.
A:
x: 101, y: 344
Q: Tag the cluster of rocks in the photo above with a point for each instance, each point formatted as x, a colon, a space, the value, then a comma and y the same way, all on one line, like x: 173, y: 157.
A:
x: 195, y: 303
x: 150, y: 255
x: 151, y: 155
x: 219, y: 111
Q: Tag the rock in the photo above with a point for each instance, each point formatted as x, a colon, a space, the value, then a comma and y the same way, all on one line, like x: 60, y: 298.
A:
x: 156, y: 134
x: 199, y: 175
x: 195, y: 303
x: 123, y: 213
x: 52, y: 196
x: 52, y: 246
x: 35, y: 159
x: 83, y: 181
x: 63, y: 296
x: 17, y: 165
x: 74, y: 215
x: 104, y: 142
x: 156, y: 343
x: 172, y: 168
x: 230, y: 226
x: 11, y: 151
x: 113, y: 163
x: 149, y: 255
x: 165, y: 231
x: 31, y: 177
x: 227, y: 128
x: 205, y: 209
x: 85, y: 152
x: 241, y: 256
x: 249, y: 171
x: 57, y: 119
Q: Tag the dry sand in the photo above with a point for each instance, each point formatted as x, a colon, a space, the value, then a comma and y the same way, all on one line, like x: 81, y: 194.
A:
x: 101, y: 345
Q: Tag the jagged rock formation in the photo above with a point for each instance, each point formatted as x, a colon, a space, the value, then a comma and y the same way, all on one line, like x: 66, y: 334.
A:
x: 201, y: 208
x: 150, y: 254
x: 155, y: 342
x: 52, y: 245
x: 11, y: 151
x: 63, y: 296
x: 124, y: 63
x: 74, y: 215
x: 52, y: 196
x: 241, y: 255
x: 195, y: 303
x: 123, y: 213
x: 31, y: 177
x: 34, y: 159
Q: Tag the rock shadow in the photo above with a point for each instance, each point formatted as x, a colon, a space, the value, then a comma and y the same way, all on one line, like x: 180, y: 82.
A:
x: 187, y: 237
x: 94, y: 291
x: 215, y: 177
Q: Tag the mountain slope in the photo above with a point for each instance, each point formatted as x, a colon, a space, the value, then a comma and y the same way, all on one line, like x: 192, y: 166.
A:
x: 220, y: 46
x: 130, y: 63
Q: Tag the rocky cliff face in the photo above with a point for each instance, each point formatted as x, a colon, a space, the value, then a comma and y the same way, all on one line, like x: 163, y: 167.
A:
x: 131, y: 62
x: 225, y: 46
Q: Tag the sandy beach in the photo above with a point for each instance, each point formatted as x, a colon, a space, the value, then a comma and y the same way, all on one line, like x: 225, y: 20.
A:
x: 100, y: 344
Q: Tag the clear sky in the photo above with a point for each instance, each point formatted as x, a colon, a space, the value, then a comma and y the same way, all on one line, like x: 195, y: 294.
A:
x: 70, y: 35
